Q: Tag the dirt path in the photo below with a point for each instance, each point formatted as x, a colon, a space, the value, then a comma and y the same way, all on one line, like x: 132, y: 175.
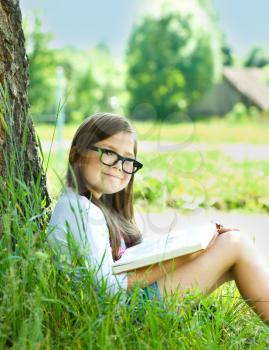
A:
x: 237, y: 151
x: 254, y: 226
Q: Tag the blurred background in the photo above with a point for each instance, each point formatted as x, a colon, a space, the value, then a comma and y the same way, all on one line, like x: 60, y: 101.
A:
x: 170, y: 55
x: 191, y: 75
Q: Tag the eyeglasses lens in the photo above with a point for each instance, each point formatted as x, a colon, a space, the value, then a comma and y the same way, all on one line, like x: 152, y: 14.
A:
x: 128, y: 166
x: 110, y: 158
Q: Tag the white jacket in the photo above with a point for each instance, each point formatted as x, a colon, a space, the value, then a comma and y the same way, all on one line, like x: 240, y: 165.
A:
x: 87, y: 225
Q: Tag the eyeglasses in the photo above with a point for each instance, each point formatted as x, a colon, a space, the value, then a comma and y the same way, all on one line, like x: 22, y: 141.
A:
x: 109, y: 157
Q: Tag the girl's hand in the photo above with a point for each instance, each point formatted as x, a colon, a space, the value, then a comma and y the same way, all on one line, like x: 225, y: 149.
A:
x: 219, y: 230
x: 222, y: 229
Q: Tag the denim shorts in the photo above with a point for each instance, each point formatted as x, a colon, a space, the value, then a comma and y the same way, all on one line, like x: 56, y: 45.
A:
x: 152, y: 292
x: 148, y: 295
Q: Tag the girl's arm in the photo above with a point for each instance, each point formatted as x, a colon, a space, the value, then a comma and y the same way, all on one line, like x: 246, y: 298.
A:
x: 146, y: 275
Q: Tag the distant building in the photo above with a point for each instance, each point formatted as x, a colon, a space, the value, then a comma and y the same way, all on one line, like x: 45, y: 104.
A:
x: 243, y: 85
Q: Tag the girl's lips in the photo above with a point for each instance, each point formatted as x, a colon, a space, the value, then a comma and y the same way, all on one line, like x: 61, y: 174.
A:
x: 112, y: 176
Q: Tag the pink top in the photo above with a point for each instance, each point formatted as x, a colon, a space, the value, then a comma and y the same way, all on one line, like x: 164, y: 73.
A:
x: 122, y: 248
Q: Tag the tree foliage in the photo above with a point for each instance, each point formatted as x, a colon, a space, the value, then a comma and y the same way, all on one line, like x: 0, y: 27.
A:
x: 94, y: 81
x: 257, y: 57
x: 227, y: 52
x: 171, y: 62
x: 42, y: 71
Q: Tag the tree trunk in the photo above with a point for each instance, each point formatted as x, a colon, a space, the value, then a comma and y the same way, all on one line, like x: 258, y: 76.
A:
x: 13, y: 84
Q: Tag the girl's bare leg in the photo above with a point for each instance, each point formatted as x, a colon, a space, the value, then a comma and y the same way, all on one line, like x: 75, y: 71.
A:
x: 231, y: 257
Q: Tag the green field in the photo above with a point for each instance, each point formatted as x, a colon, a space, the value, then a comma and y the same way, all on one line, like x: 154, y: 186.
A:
x: 213, y: 131
x: 193, y: 181
x: 196, y: 179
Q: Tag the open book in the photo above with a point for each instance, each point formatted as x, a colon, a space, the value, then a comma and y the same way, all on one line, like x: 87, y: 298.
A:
x: 171, y: 245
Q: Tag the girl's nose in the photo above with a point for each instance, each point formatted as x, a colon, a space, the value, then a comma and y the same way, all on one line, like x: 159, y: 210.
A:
x: 118, y: 165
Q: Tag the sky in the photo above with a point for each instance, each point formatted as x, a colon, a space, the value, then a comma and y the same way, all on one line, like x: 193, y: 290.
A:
x: 84, y: 23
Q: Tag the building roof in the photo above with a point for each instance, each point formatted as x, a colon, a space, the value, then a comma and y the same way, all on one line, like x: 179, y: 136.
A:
x: 249, y: 82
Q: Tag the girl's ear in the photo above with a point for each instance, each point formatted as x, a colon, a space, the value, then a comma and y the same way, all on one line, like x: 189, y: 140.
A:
x: 77, y: 157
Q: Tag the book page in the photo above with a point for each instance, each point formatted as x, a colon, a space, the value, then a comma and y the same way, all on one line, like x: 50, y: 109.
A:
x: 190, y: 239
x: 151, y: 247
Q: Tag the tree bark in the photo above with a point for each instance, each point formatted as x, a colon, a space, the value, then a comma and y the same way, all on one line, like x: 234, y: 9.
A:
x: 14, y: 81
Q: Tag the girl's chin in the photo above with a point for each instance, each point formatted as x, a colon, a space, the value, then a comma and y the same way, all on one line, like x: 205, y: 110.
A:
x: 110, y: 185
x: 112, y: 189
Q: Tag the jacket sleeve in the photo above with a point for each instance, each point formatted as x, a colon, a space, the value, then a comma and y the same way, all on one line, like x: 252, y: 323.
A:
x: 100, y: 252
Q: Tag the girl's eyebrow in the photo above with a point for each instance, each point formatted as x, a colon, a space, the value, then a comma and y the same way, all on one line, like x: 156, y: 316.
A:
x: 114, y: 149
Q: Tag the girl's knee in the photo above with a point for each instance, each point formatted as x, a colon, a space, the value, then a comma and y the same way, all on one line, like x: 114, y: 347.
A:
x: 234, y: 241
x: 232, y: 236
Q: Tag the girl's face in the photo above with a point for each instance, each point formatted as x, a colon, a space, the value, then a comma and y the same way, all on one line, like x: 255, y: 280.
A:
x: 101, y: 178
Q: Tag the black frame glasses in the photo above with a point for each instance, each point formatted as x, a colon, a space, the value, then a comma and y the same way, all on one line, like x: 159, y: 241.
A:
x: 137, y: 165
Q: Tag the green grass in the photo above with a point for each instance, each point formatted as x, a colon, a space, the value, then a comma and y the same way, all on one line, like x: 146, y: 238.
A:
x: 190, y: 180
x: 215, y: 130
x: 44, y: 307
x: 56, y: 171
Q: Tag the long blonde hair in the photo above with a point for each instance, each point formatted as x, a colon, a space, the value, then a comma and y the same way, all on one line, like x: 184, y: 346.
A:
x: 117, y: 207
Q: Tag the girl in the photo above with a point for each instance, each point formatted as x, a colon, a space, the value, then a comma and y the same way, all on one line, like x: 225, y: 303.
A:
x: 96, y: 211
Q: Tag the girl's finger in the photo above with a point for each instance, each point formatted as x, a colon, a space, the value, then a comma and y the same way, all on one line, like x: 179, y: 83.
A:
x: 226, y: 229
x: 220, y: 229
